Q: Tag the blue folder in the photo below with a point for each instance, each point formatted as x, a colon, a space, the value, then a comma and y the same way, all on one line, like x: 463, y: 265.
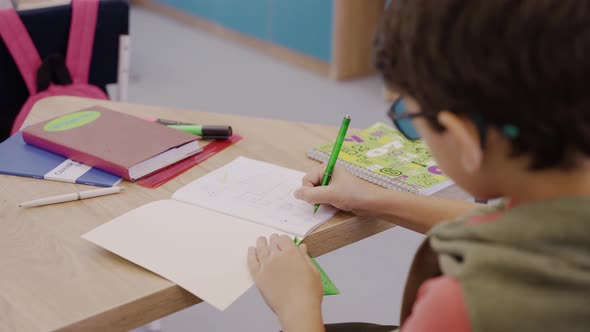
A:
x: 21, y: 159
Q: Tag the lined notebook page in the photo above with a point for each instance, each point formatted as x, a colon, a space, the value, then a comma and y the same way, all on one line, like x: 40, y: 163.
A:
x: 258, y: 192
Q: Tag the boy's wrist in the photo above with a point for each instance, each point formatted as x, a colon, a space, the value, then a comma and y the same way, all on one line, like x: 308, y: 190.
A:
x: 373, y: 200
x: 302, y: 318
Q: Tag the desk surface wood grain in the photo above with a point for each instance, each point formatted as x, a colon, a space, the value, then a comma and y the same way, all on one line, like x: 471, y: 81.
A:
x: 51, y: 279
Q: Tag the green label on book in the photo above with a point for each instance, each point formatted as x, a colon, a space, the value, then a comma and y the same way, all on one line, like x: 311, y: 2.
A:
x: 70, y: 121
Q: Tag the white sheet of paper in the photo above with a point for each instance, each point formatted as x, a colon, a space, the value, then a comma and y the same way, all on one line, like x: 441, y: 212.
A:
x: 202, y: 251
x: 258, y: 192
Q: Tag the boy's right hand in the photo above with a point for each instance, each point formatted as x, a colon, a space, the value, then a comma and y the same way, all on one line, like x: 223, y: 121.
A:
x: 345, y: 191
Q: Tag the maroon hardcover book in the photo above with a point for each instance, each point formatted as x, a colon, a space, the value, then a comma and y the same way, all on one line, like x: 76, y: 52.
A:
x: 112, y: 141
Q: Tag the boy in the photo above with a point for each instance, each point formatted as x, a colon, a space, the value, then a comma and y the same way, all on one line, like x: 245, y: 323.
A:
x: 498, y: 90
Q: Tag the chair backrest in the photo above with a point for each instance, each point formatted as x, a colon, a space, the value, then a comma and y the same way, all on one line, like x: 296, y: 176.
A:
x: 49, y: 30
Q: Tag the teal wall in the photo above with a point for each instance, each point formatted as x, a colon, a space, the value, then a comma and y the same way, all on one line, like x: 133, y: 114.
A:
x: 301, y: 25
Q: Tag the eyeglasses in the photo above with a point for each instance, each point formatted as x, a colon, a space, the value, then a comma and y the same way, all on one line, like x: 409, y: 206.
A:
x: 403, y: 120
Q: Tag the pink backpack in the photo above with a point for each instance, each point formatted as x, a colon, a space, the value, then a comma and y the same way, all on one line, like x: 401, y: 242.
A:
x: 27, y: 59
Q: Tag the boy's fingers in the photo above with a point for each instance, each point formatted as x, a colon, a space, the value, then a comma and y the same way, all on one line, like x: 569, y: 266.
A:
x: 285, y: 242
x: 262, y: 249
x: 253, y: 264
x: 314, y: 195
x: 310, y: 180
x: 314, y: 177
x: 274, y: 245
x: 303, y: 250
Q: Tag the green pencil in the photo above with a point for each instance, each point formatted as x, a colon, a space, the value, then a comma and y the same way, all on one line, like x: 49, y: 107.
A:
x: 334, y: 155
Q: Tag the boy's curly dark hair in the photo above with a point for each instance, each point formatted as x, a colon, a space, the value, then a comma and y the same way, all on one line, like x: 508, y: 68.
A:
x: 519, y: 62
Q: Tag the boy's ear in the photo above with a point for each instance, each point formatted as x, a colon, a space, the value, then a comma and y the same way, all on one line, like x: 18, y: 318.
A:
x: 465, y: 135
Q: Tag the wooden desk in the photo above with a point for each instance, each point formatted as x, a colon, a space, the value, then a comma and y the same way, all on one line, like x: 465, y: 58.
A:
x: 51, y: 279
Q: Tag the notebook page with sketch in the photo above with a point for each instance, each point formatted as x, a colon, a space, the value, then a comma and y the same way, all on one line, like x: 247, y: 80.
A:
x: 192, y: 244
x: 258, y: 192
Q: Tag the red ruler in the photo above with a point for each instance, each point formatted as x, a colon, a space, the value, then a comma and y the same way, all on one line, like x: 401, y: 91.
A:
x: 164, y: 175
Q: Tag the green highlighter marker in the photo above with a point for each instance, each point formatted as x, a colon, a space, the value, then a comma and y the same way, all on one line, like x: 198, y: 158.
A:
x: 206, y: 132
x: 334, y: 155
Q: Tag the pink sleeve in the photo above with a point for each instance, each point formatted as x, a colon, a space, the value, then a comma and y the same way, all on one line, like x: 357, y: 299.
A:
x: 439, y: 306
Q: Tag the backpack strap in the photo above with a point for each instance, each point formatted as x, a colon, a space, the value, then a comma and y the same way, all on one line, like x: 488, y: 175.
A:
x: 81, y: 39
x: 21, y: 47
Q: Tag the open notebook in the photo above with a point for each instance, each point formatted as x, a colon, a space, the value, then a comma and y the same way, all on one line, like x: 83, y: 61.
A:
x: 199, y: 238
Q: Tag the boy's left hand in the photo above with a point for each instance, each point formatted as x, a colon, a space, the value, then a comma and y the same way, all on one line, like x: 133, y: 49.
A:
x: 286, y: 277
